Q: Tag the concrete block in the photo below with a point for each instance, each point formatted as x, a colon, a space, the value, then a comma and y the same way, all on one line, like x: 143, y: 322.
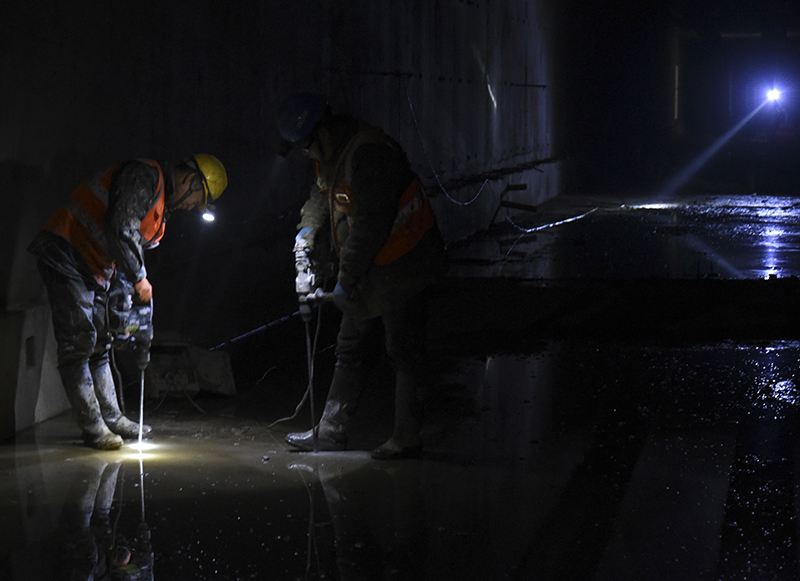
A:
x: 39, y: 392
x: 182, y: 367
x: 30, y: 387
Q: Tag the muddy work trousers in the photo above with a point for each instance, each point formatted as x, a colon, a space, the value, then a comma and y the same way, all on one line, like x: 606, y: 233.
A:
x: 78, y: 306
x: 404, y: 333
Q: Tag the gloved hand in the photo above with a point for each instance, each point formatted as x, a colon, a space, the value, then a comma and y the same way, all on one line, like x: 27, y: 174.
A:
x: 342, y: 298
x: 304, y: 239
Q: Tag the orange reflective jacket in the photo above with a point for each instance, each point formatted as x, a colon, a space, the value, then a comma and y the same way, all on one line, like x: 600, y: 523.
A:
x: 414, y: 213
x: 81, y: 221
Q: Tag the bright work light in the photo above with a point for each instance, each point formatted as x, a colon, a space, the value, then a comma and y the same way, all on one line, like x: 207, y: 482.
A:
x: 773, y: 94
x: 209, y: 214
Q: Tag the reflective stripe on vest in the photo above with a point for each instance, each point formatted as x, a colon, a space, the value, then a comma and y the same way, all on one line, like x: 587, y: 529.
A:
x: 95, y: 229
x: 95, y: 224
x: 98, y: 189
x: 81, y: 221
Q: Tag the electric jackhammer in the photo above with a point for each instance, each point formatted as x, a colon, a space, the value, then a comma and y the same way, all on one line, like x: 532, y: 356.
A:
x: 308, y: 295
x: 305, y: 282
x: 131, y: 326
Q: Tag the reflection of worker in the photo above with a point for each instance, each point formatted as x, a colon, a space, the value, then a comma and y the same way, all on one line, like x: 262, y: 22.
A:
x: 88, y: 546
x: 375, y: 539
x: 102, y: 232
x: 389, y: 250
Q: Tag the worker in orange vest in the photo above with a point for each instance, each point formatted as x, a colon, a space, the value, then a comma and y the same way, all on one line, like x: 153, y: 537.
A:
x: 371, y: 205
x: 99, y: 234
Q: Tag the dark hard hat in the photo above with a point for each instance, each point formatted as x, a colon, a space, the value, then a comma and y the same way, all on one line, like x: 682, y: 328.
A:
x: 299, y: 115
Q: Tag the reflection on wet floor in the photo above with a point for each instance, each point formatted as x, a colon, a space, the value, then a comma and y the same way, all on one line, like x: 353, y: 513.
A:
x: 732, y: 237
x: 578, y: 461
x: 574, y: 430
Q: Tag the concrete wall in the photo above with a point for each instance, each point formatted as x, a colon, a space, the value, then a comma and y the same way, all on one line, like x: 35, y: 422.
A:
x: 466, y: 86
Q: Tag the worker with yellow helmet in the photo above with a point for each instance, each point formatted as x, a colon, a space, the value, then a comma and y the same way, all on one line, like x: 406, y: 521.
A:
x: 100, y: 235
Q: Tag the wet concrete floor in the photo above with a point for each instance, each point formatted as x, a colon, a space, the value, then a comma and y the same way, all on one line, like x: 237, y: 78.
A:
x: 613, y: 397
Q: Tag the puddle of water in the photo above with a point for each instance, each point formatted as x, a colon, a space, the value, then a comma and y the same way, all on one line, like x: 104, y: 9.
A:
x: 560, y: 463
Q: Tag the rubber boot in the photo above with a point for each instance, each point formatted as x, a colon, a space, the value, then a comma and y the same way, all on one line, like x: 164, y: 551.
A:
x: 331, y: 435
x: 339, y: 408
x: 79, y: 387
x: 405, y: 441
x: 106, y: 393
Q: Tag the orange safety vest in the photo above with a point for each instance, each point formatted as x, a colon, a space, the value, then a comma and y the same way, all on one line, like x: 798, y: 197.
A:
x: 414, y: 213
x: 82, y: 221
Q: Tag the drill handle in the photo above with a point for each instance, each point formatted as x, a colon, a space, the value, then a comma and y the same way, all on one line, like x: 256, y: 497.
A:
x: 319, y: 296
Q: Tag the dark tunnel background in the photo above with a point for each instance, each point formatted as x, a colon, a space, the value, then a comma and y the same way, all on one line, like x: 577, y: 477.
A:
x: 614, y: 136
x: 588, y: 93
x: 613, y: 131
x: 614, y: 387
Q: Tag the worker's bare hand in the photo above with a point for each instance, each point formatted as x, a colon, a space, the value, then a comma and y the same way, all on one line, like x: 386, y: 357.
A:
x: 144, y: 289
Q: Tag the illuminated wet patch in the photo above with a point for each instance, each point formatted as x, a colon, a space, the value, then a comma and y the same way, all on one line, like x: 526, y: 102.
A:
x: 786, y: 391
x: 143, y: 446
x: 654, y: 207
x: 139, y: 456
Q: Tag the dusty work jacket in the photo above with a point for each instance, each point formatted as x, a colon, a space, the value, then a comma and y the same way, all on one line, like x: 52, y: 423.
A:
x: 108, y: 222
x: 384, y: 232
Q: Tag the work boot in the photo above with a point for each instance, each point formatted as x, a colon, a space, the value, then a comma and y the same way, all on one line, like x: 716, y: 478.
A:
x: 340, y: 406
x: 79, y: 388
x: 405, y: 441
x: 106, y: 393
x: 331, y: 435
x: 100, y: 437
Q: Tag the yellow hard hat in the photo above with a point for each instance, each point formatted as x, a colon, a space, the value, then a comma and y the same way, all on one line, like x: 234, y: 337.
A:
x: 215, y: 178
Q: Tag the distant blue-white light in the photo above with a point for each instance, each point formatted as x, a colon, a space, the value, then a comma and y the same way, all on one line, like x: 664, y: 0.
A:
x: 773, y: 94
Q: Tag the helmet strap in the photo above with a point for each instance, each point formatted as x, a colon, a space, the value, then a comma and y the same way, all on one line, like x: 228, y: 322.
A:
x: 189, y: 191
x: 203, y: 181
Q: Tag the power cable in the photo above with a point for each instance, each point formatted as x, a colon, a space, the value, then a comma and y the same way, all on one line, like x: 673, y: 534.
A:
x: 254, y: 331
x: 311, y: 352
x: 537, y: 229
x: 428, y: 158
x: 551, y: 225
